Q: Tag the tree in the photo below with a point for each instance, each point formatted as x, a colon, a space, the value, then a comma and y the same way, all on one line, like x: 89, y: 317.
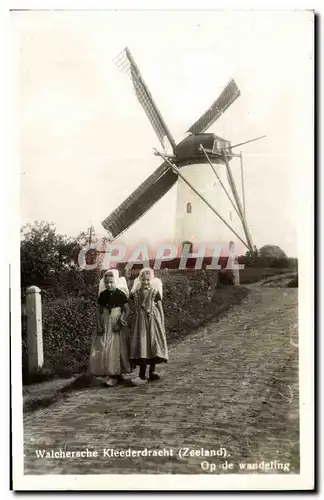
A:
x: 44, y: 253
x: 272, y: 252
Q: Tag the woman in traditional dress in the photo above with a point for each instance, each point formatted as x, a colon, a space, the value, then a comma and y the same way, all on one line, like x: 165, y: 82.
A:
x: 148, y: 341
x: 109, y: 356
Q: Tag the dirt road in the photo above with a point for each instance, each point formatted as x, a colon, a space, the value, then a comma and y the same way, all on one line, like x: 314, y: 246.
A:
x: 231, y: 385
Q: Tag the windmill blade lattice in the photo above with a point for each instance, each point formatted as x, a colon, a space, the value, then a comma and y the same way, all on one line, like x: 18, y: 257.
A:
x: 230, y: 93
x: 140, y: 201
x: 126, y: 63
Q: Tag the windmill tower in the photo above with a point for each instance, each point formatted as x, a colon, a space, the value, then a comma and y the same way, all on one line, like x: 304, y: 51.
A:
x: 200, y: 165
x: 195, y: 222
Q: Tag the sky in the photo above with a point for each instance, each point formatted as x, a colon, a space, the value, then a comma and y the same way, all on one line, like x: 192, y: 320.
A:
x: 85, y: 143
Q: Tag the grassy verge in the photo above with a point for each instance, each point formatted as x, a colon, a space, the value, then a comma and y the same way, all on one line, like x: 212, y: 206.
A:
x: 254, y: 274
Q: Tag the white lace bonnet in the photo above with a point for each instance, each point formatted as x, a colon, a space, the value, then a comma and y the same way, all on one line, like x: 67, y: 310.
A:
x: 121, y: 283
x: 156, y: 283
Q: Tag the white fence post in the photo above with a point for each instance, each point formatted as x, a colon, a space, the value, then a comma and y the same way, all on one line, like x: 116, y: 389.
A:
x: 236, y: 273
x: 34, y: 329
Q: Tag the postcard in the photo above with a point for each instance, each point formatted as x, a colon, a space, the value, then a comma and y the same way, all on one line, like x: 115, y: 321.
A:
x: 161, y: 305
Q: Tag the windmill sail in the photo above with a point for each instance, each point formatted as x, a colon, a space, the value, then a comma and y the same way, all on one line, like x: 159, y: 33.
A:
x: 140, y: 201
x: 126, y: 63
x: 143, y: 99
x: 230, y: 93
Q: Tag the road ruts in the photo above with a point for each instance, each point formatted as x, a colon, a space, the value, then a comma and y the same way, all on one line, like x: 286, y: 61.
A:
x: 229, y: 384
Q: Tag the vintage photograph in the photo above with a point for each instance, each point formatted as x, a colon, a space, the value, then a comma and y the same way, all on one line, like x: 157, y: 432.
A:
x: 163, y: 161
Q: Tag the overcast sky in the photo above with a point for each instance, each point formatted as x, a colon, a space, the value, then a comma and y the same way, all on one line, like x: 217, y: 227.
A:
x: 86, y: 144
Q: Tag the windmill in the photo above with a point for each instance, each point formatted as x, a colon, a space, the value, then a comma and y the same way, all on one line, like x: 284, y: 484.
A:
x: 200, y: 166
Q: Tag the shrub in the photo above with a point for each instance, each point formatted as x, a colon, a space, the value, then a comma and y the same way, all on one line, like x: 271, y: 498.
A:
x: 272, y: 251
x: 68, y: 325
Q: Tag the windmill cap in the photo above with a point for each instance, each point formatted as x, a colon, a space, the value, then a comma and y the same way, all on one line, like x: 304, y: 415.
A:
x: 189, y: 149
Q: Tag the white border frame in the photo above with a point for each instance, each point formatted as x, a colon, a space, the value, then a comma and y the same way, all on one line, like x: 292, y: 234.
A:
x: 303, y: 481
